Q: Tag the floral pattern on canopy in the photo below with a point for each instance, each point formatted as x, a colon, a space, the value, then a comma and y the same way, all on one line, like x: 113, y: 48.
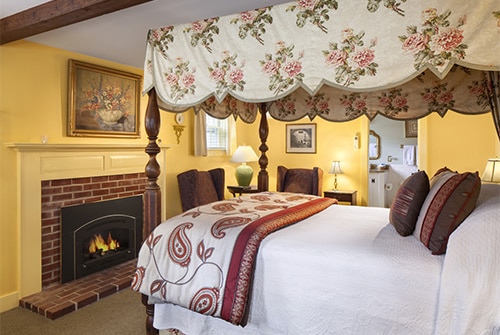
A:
x: 260, y: 55
x: 326, y: 58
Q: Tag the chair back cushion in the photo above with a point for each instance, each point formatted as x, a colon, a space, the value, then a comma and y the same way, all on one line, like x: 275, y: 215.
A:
x: 206, y: 188
x: 200, y: 187
x: 298, y: 180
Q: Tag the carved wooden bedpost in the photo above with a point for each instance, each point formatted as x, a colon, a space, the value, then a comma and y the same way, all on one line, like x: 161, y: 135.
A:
x: 152, y: 194
x: 263, y: 178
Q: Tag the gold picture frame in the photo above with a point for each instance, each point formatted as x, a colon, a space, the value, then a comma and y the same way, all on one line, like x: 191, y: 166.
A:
x: 301, y: 138
x: 103, y: 102
x: 411, y: 128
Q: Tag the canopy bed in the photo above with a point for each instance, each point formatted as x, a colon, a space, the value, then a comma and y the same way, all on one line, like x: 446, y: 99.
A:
x: 338, y: 61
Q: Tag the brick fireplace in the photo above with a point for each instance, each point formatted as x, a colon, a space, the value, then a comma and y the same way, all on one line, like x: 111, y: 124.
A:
x: 86, y: 171
x: 60, y: 193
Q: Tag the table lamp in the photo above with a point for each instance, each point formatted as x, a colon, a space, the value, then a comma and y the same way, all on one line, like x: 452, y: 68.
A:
x: 244, y: 172
x: 491, y: 172
x: 335, y: 169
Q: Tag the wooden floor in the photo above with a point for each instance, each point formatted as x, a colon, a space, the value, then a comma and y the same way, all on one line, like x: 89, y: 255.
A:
x: 60, y: 300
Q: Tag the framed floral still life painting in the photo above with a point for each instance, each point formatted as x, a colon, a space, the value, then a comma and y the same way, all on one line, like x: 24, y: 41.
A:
x: 103, y: 102
x: 301, y: 138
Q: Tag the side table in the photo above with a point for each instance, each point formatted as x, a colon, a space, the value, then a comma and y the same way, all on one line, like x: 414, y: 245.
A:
x: 242, y: 189
x: 343, y: 196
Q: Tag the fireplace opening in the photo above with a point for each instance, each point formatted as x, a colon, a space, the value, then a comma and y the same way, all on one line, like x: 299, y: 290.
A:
x: 99, y: 235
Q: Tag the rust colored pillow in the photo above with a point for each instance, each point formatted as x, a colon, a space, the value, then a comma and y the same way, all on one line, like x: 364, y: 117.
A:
x: 406, y: 206
x: 449, y: 202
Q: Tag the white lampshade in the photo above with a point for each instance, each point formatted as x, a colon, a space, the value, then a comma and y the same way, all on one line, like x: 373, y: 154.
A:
x: 491, y: 172
x: 244, y: 154
x: 335, y: 168
x: 244, y: 173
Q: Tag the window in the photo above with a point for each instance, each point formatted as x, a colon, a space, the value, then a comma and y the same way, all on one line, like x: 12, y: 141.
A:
x: 217, y: 133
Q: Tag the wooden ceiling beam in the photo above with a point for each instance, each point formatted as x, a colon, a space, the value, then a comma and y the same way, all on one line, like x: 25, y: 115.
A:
x: 56, y: 14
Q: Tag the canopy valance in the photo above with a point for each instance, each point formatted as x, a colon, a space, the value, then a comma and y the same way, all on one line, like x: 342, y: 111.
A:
x: 358, y: 46
x: 463, y: 90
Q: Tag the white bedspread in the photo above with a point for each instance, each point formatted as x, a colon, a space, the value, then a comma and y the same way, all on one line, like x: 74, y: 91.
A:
x: 469, y: 301
x: 361, y: 277
x: 377, y: 283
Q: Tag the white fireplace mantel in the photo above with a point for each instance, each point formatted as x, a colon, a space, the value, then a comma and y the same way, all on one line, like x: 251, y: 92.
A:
x: 73, y: 147
x: 43, y: 161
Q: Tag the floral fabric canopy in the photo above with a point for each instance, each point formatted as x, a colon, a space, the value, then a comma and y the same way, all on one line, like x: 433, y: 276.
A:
x: 329, y: 58
x: 265, y: 54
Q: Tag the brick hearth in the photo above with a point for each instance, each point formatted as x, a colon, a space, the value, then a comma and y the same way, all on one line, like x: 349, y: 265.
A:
x: 63, y: 299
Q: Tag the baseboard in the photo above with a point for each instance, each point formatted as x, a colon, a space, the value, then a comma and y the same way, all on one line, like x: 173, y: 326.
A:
x: 9, y: 301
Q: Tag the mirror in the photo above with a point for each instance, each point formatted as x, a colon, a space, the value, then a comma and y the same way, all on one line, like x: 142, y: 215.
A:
x: 374, y: 146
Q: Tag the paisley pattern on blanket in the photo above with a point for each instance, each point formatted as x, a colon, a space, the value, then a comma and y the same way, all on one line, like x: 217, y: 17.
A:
x: 203, y: 259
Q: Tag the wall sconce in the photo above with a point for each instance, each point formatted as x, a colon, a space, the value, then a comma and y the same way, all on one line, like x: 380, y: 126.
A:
x: 178, y: 128
x: 335, y: 169
x: 491, y: 172
x: 178, y: 132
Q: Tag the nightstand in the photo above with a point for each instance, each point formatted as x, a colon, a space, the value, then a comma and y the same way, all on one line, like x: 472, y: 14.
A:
x: 242, y: 189
x: 342, y: 196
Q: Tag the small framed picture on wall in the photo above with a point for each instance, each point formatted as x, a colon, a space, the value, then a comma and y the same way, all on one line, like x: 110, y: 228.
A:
x: 301, y: 138
x: 411, y: 128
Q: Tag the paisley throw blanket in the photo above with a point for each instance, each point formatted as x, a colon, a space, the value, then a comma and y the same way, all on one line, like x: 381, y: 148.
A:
x: 203, y: 259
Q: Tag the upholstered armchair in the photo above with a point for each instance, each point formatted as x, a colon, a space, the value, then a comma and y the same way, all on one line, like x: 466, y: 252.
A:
x: 200, y: 187
x: 308, y: 181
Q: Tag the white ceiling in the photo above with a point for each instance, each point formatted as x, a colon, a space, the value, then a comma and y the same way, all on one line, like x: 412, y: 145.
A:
x: 121, y: 36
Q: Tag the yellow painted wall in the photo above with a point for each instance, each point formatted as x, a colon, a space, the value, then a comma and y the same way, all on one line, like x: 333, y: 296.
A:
x: 33, y: 100
x: 460, y: 142
x: 33, y: 103
x: 335, y: 144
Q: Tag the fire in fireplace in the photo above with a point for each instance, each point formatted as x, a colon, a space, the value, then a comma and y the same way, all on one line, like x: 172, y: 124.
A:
x: 99, y: 235
x: 98, y: 246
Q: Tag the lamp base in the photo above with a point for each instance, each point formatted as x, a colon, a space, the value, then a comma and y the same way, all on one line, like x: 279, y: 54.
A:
x: 244, y: 174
